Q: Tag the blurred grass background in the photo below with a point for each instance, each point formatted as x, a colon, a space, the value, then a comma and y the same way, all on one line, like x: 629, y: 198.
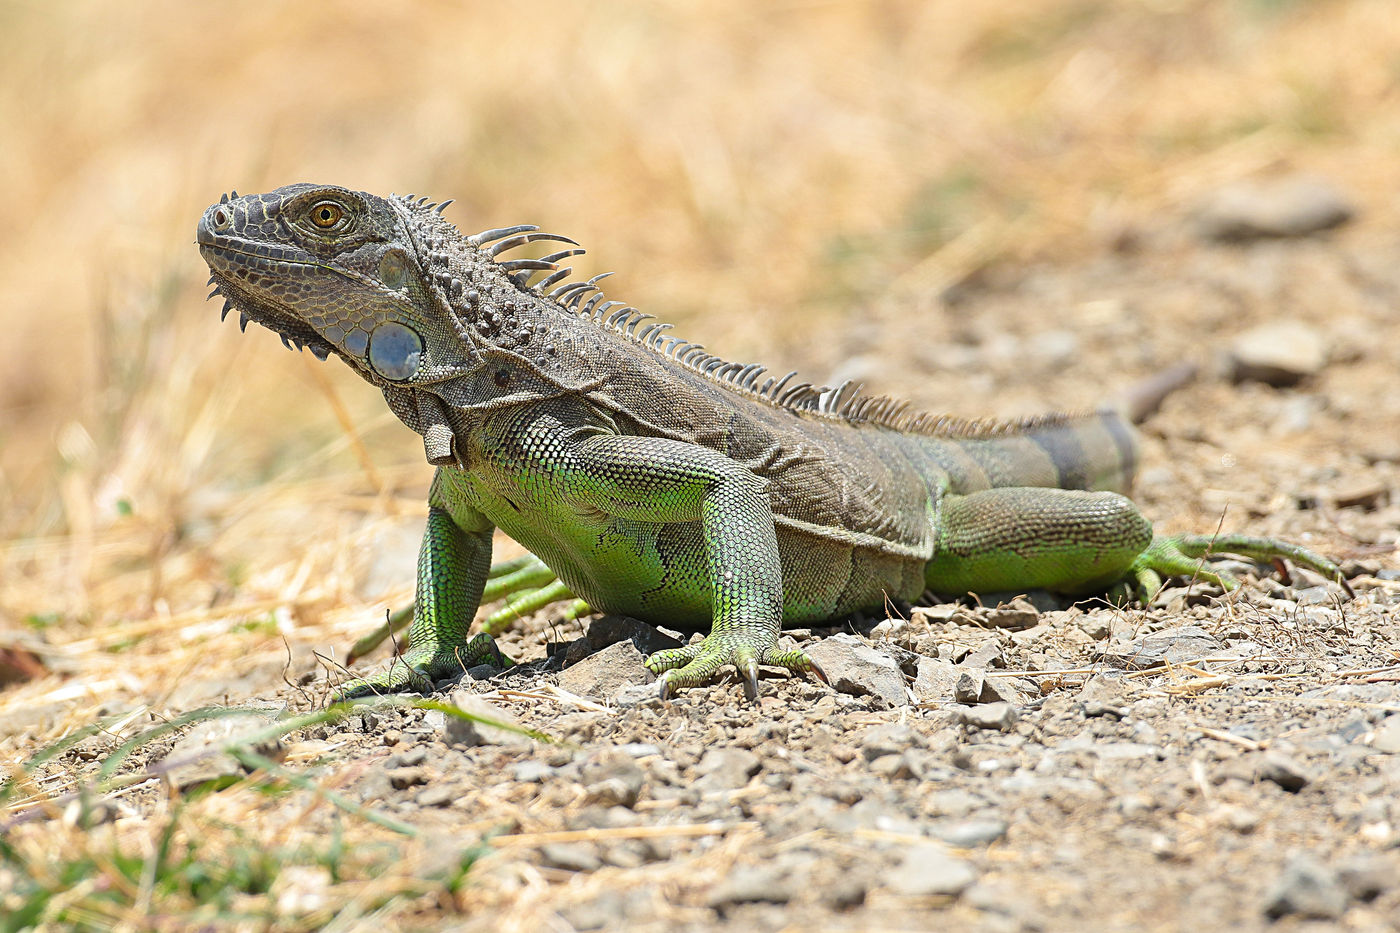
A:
x: 758, y: 173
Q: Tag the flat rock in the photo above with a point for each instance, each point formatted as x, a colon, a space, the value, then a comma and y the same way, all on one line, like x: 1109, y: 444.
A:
x: 935, y: 679
x: 609, y: 630
x: 488, y: 732
x: 197, y: 758
x: 928, y: 870
x: 999, y: 716
x: 1178, y: 645
x: 605, y: 673
x: 1279, y: 353
x: 966, y: 834
x: 1306, y: 888
x: 1292, y: 206
x: 1387, y: 736
x: 856, y: 668
x: 1018, y: 614
x: 727, y: 768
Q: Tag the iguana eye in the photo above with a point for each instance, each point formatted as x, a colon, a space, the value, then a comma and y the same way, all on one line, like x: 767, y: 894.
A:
x: 395, y: 351
x: 327, y: 214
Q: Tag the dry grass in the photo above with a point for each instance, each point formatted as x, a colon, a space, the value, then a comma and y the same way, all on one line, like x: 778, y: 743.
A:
x: 178, y: 502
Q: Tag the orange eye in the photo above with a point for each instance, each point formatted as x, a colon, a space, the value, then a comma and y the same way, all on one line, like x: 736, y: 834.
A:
x: 327, y: 214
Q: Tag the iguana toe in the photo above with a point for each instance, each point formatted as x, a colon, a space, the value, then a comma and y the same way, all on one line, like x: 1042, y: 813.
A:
x: 418, y: 669
x: 697, y: 664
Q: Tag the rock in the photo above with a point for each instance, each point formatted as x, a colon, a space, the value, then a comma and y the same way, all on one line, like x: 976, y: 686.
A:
x: 1366, y: 875
x: 613, y: 779
x: 1279, y: 353
x: 404, y: 778
x: 530, y: 771
x: 928, y: 870
x: 198, y: 757
x: 603, y: 674
x: 999, y: 716
x: 1308, y: 889
x: 571, y: 856
x: 934, y: 680
x: 1018, y: 614
x: 1296, y: 205
x: 609, y: 630
x: 966, y: 834
x: 969, y: 685
x: 1362, y: 494
x: 856, y: 668
x: 1284, y: 770
x: 437, y: 795
x: 751, y: 885
x: 471, y: 732
x: 888, y: 739
x: 985, y: 655
x: 726, y: 768
x: 1387, y: 735
x: 1178, y: 645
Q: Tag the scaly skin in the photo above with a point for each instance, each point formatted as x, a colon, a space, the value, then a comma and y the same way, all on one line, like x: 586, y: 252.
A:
x: 653, y: 479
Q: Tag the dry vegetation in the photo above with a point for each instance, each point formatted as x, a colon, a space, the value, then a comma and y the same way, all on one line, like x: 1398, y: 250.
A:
x: 181, y: 505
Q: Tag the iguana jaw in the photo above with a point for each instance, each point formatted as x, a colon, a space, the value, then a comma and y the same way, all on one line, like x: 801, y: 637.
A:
x: 230, y: 259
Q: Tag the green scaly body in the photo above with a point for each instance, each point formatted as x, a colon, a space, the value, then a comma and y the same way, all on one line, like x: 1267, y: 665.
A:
x: 653, y: 479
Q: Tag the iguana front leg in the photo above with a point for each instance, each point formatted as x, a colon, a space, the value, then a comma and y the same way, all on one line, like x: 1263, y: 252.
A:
x: 452, y: 565
x: 665, y: 481
x: 1069, y: 541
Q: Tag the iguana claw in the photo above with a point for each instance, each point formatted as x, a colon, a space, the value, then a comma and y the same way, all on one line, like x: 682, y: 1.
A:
x: 696, y: 664
x: 418, y: 669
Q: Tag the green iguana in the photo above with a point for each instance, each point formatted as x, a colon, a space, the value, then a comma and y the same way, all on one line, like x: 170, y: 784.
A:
x: 657, y: 480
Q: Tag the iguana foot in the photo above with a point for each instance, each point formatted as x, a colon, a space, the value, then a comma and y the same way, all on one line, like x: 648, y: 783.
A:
x: 419, y: 668
x: 1182, y: 555
x: 697, y: 664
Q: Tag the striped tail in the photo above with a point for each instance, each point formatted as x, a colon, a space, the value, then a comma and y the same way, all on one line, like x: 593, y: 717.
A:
x: 1090, y: 451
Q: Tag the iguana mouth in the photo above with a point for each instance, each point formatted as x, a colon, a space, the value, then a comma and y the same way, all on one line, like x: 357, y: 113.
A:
x: 231, y: 257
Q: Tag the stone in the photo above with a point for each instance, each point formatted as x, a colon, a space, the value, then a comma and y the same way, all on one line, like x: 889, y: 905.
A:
x: 888, y: 739
x: 968, y: 687
x: 751, y: 885
x: 571, y: 856
x: 198, y: 758
x: 856, y: 668
x: 1308, y: 889
x: 999, y: 716
x: 1279, y: 353
x: 934, y: 680
x: 611, y: 629
x: 1291, y: 206
x: 1284, y: 770
x: 966, y: 834
x: 928, y: 870
x: 985, y: 655
x: 603, y: 674
x: 437, y: 795
x: 1018, y: 614
x: 613, y: 779
x: 1387, y: 735
x: 496, y: 726
x: 1367, y: 875
x: 1178, y: 645
x: 726, y: 768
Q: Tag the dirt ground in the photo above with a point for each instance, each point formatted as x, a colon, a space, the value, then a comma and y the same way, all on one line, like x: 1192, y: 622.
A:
x: 193, y: 518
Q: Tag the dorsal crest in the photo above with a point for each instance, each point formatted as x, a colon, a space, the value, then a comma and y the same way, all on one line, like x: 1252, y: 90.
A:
x: 587, y: 301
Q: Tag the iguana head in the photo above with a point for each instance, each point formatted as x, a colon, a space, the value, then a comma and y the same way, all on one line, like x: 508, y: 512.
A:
x: 339, y: 271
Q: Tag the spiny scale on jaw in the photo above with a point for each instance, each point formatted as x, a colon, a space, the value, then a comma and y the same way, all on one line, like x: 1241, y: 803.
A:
x: 843, y: 402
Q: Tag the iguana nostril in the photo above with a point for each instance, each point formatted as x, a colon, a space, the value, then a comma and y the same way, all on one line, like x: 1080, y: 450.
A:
x: 221, y: 219
x: 395, y: 351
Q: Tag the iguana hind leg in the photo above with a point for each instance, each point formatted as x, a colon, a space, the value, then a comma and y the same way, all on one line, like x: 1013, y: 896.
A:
x: 1069, y: 541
